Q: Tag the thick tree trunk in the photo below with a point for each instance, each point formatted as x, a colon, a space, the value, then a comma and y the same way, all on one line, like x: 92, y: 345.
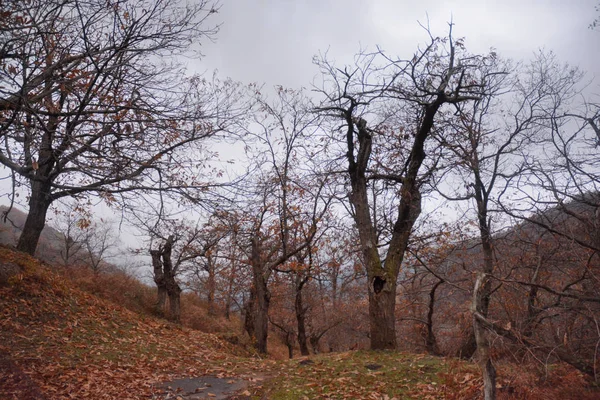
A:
x: 301, y: 319
x: 263, y: 298
x: 175, y: 303
x: 161, y: 300
x: 382, y: 317
x: 41, y: 186
x: 159, y: 279
x: 261, y: 319
x: 164, y: 277
x: 382, y: 277
x: 36, y: 218
x: 173, y: 289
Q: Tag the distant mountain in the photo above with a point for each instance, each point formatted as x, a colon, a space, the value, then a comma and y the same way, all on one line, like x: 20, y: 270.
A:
x: 50, y: 244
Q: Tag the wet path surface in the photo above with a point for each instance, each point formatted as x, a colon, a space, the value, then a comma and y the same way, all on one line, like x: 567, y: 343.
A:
x: 206, y: 387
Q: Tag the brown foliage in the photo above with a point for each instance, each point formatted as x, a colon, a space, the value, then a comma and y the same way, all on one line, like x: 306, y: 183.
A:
x: 72, y: 344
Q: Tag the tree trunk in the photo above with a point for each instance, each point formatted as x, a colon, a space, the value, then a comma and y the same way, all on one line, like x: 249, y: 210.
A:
x: 211, y: 288
x: 173, y: 289
x: 483, y: 350
x: 430, y: 340
x: 314, y: 343
x: 382, y: 317
x: 261, y: 317
x: 301, y: 319
x: 483, y: 291
x: 263, y: 299
x: 36, y: 218
x: 227, y: 309
x: 532, y: 310
x: 229, y: 296
x: 382, y: 278
x: 161, y: 300
x: 175, y: 303
x: 159, y: 279
x: 41, y: 187
x: 289, y: 344
x: 164, y: 277
x: 249, y: 312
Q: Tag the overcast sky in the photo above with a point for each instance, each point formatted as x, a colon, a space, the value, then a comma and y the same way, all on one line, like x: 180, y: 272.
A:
x: 273, y: 41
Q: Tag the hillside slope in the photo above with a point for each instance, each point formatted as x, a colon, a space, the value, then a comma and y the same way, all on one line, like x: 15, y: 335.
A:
x: 50, y: 244
x: 61, y: 342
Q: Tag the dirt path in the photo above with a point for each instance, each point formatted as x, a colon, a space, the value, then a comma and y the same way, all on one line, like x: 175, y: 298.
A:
x: 206, y: 387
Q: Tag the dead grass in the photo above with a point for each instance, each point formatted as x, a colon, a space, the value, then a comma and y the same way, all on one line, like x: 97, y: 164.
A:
x: 72, y: 344
x: 58, y: 341
x: 127, y: 291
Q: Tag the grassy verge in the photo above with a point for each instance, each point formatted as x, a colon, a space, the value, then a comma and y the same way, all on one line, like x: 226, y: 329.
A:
x: 370, y: 375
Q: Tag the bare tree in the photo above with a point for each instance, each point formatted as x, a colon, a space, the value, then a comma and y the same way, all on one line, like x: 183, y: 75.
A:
x: 93, y: 101
x: 99, y: 240
x: 405, y: 101
x: 71, y: 223
x: 489, y: 145
x: 180, y: 246
x: 164, y: 277
x: 557, y: 205
x: 288, y: 205
x: 211, y: 254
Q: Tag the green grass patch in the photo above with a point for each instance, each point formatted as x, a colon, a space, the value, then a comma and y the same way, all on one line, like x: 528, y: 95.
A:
x: 362, y: 374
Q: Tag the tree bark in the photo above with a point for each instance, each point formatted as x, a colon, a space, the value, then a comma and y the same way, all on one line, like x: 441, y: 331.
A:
x: 532, y: 311
x: 382, y: 277
x: 159, y: 279
x: 230, y: 288
x: 36, y: 218
x: 382, y: 317
x: 382, y: 282
x: 301, y: 319
x: 261, y: 318
x: 263, y: 298
x: 211, y: 287
x: 483, y: 350
x: 483, y: 289
x: 173, y: 289
x: 41, y: 184
x: 249, y: 312
x: 164, y: 277
x: 430, y: 339
x: 175, y: 303
x: 289, y: 343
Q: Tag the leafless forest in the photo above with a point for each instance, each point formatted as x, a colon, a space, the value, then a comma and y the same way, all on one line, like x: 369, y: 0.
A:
x: 439, y: 201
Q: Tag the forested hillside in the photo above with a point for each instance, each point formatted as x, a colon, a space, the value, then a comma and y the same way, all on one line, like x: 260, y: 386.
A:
x: 434, y: 199
x: 59, y: 342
